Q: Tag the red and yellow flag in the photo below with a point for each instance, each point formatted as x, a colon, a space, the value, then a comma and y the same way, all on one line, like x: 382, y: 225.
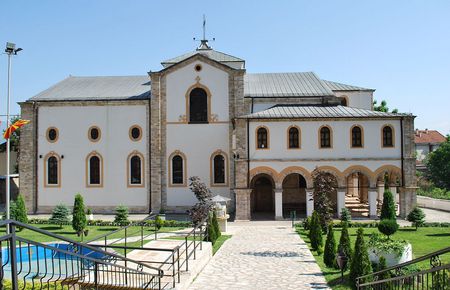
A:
x: 14, y: 127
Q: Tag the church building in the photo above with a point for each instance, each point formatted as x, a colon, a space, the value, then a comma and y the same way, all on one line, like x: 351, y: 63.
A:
x: 255, y: 138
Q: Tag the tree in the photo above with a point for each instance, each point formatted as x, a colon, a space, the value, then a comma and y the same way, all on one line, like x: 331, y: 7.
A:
x: 200, y: 211
x: 216, y: 225
x: 79, y: 221
x: 438, y: 165
x: 60, y: 215
x: 158, y: 222
x: 121, y: 216
x: 382, y: 107
x: 346, y: 217
x: 315, y: 232
x: 21, y: 211
x: 417, y: 217
x: 388, y: 227
x: 212, y: 234
x: 360, y: 264
x: 325, y: 185
x: 345, y: 246
x: 388, y: 208
x: 329, y: 255
x: 381, y: 266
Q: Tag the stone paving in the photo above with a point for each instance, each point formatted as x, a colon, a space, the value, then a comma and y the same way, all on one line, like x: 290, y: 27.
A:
x: 262, y: 255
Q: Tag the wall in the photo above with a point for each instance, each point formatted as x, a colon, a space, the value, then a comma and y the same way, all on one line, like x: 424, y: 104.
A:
x: 356, y: 99
x: 12, y: 162
x: 114, y: 146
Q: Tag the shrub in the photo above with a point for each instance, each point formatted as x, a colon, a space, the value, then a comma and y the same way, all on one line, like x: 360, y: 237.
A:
x: 306, y: 223
x: 380, y: 244
x: 388, y: 207
x: 360, y: 264
x: 319, y: 250
x: 216, y: 225
x: 346, y: 217
x: 12, y: 211
x: 200, y: 211
x: 158, y: 222
x: 388, y: 227
x: 417, y: 217
x: 380, y: 267
x: 315, y: 232
x: 329, y: 256
x: 212, y: 235
x: 79, y: 222
x: 325, y: 185
x: 21, y: 210
x: 344, y: 246
x: 121, y: 216
x: 60, y: 215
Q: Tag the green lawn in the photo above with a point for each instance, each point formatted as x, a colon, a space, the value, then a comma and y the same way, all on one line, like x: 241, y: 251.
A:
x: 424, y: 241
x: 94, y: 231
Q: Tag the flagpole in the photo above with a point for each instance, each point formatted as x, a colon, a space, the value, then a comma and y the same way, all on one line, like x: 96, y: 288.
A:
x: 8, y: 144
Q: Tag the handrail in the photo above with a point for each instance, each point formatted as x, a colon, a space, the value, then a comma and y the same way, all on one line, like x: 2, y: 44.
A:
x: 19, y: 224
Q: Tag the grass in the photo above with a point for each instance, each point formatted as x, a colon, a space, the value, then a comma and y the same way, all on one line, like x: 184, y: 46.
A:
x: 94, y: 231
x: 435, y: 192
x: 423, y: 241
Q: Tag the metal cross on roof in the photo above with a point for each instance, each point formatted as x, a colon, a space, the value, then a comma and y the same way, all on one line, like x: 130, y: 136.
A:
x: 204, y: 42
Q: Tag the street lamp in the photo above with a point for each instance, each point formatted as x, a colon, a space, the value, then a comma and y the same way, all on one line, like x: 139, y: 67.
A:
x: 10, y: 51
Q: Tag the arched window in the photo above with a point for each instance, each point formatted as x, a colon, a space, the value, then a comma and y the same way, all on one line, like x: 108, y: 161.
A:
x: 219, y: 169
x: 52, y: 170
x: 325, y: 137
x: 177, y: 169
x: 294, y: 138
x: 135, y: 170
x: 357, y: 137
x: 198, y: 106
x: 388, y: 136
x: 94, y: 164
x: 262, y: 138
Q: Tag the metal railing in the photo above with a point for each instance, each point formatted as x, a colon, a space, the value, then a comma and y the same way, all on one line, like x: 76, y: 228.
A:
x: 414, y: 274
x: 66, y: 263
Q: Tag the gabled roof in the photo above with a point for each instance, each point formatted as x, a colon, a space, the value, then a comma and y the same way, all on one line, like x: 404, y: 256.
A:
x: 97, y: 88
x: 297, y: 84
x: 335, y: 86
x: 428, y: 136
x: 209, y: 53
x: 299, y: 111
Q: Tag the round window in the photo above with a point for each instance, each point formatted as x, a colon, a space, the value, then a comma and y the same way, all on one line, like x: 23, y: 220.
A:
x: 94, y: 134
x: 198, y: 67
x: 135, y: 133
x: 52, y: 134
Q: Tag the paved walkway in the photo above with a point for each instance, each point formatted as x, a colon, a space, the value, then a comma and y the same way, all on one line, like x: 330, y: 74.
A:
x: 261, y: 255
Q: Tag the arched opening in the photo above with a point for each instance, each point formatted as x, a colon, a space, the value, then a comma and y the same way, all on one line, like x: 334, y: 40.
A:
x: 263, y: 197
x: 198, y: 106
x: 294, y: 195
x: 389, y: 179
x: 357, y: 195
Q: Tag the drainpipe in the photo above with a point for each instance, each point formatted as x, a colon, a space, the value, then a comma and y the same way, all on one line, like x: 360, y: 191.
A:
x: 248, y: 153
x: 402, y: 151
x: 36, y: 157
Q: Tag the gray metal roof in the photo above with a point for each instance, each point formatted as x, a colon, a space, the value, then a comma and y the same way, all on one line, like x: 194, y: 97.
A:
x: 298, y: 111
x: 334, y: 86
x: 97, y: 88
x: 297, y: 84
x: 210, y: 53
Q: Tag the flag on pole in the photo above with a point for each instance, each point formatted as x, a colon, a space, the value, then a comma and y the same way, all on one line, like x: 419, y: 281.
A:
x: 14, y: 127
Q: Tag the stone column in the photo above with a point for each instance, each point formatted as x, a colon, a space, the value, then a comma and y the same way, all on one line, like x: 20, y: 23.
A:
x: 243, y: 206
x: 278, y: 204
x: 373, y: 193
x: 380, y: 186
x: 309, y: 202
x: 340, y: 202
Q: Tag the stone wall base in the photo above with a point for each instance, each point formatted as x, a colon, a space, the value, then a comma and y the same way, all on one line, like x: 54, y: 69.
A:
x: 98, y: 209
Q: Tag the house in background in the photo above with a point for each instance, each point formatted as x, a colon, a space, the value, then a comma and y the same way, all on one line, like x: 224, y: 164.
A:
x: 426, y: 141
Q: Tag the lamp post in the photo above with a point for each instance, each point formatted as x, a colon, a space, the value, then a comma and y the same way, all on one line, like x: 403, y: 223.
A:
x: 10, y: 51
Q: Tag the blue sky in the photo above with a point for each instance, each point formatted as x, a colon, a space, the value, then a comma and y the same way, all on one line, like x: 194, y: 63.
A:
x: 400, y: 48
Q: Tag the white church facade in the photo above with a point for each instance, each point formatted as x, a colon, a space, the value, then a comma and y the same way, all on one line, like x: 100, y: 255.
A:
x: 255, y: 138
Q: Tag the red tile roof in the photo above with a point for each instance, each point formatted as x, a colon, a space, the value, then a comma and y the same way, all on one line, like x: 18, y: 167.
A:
x: 428, y: 136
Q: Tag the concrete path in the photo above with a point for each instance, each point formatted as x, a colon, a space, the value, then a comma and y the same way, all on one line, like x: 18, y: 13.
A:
x: 262, y: 255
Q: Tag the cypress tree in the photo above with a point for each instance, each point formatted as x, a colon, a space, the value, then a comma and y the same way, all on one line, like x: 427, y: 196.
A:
x: 79, y: 214
x: 20, y: 211
x: 388, y: 208
x: 417, y: 217
x: 60, y: 215
x: 216, y: 225
x: 345, y: 245
x: 121, y: 216
x: 315, y: 232
x: 360, y: 264
x: 212, y: 235
x: 329, y: 256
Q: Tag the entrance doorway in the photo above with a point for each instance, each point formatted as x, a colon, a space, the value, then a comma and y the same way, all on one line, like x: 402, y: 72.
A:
x: 294, y: 195
x: 263, y: 197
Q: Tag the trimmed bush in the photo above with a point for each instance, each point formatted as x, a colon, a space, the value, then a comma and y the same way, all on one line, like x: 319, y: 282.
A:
x: 360, y: 264
x: 380, y: 267
x: 345, y: 246
x: 346, y: 217
x: 79, y: 221
x: 388, y: 208
x: 306, y: 223
x: 315, y: 232
x: 212, y: 235
x: 21, y: 211
x: 60, y: 215
x: 329, y: 256
x: 216, y: 225
x: 388, y: 227
x: 121, y: 216
x: 417, y: 217
x: 158, y: 222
